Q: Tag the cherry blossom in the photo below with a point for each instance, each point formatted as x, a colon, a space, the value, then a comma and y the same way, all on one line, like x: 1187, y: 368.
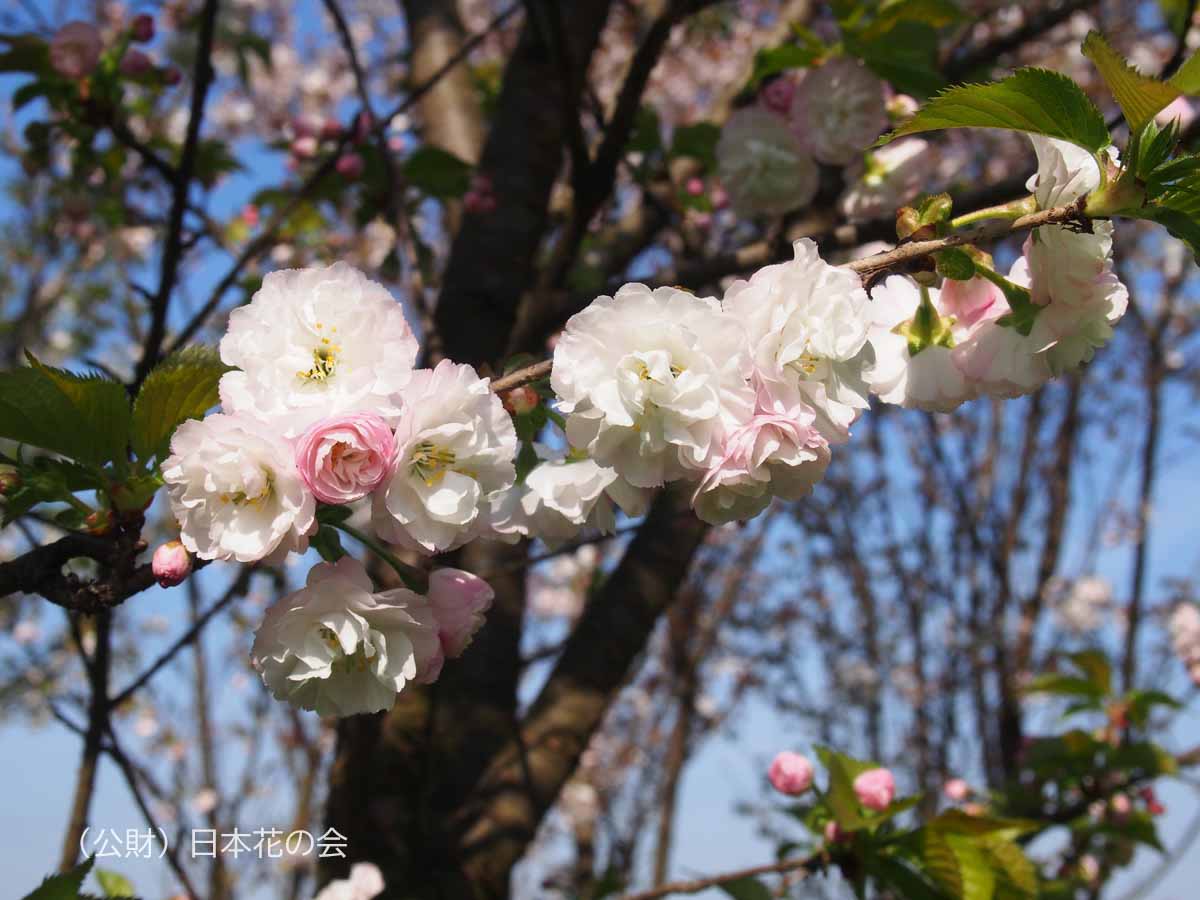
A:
x: 763, y: 164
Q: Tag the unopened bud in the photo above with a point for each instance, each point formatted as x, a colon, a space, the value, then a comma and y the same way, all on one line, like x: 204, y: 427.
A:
x: 10, y: 480
x: 171, y: 564
x: 135, y: 64
x: 304, y: 147
x: 98, y: 523
x: 171, y: 76
x: 521, y: 400
x: 350, y: 166
x: 141, y: 29
x: 908, y: 221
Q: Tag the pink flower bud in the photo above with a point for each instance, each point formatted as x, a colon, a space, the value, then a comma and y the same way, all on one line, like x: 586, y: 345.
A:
x: 171, y: 564
x: 1151, y: 799
x: 304, y: 126
x: 778, y: 94
x: 135, y: 64
x: 344, y: 458
x: 790, y: 773
x: 98, y: 523
x: 875, y: 789
x: 331, y: 130
x: 350, y: 166
x: 459, y: 600
x: 250, y: 214
x: 833, y: 833
x: 521, y: 400
x: 956, y: 790
x: 171, y: 76
x: 695, y: 186
x: 304, y: 147
x: 75, y: 50
x: 1121, y: 806
x: 141, y: 29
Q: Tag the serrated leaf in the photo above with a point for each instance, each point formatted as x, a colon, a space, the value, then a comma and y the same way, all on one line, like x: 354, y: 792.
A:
x: 1096, y: 667
x: 84, y: 417
x: 978, y: 878
x: 1187, y: 78
x: 1036, y: 101
x: 114, y: 884
x: 745, y: 889
x: 64, y: 886
x: 1139, y: 96
x: 1013, y: 865
x: 437, y: 172
x: 905, y: 57
x: 181, y: 387
x: 907, y: 883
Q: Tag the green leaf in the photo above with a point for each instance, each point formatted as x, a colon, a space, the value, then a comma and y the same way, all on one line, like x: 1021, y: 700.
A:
x: 437, y: 172
x: 745, y: 889
x: 1187, y: 79
x: 1178, y: 14
x: 647, y: 132
x: 1036, y: 101
x: 1096, y: 667
x: 907, y: 883
x: 25, y: 53
x: 114, y: 884
x: 65, y: 886
x: 85, y: 417
x: 773, y: 60
x: 1139, y: 96
x: 905, y: 57
x: 181, y: 387
x: 978, y: 878
x: 698, y: 141
x: 29, y: 92
x: 328, y: 543
x: 840, y: 796
x: 1013, y: 866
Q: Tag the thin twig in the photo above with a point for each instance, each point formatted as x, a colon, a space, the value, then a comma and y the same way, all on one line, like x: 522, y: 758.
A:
x: 696, y: 885
x: 173, y: 250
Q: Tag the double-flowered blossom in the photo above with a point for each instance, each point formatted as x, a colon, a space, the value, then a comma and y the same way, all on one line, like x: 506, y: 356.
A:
x: 344, y: 458
x: 839, y: 110
x: 235, y: 490
x: 806, y: 323
x: 777, y: 452
x: 339, y: 648
x: 454, y: 451
x: 913, y: 336
x: 1185, y: 637
x: 763, y: 164
x: 887, y: 178
x: 315, y: 343
x: 650, y: 379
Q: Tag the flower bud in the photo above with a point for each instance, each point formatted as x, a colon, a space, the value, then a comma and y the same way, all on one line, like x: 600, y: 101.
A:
x: 521, y: 400
x: 331, y: 129
x: 304, y: 147
x: 875, y: 789
x: 778, y: 94
x: 171, y: 76
x: 350, y: 166
x: 790, y: 773
x: 141, y: 29
x: 833, y: 833
x: 98, y: 523
x: 956, y: 790
x: 135, y: 64
x: 171, y: 564
x: 695, y: 186
x: 10, y: 480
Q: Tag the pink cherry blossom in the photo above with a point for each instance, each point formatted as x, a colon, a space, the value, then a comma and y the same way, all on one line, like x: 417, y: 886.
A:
x: 971, y: 302
x: 778, y: 95
x: 75, y: 50
x: 875, y: 789
x: 459, y: 601
x: 345, y: 458
x: 791, y: 773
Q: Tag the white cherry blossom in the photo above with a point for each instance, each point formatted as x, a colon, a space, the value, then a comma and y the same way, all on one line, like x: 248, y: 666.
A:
x: 315, y: 343
x: 455, y: 447
x: 763, y: 164
x: 648, y: 379
x: 339, y: 648
x: 806, y: 322
x: 235, y: 490
x: 839, y: 109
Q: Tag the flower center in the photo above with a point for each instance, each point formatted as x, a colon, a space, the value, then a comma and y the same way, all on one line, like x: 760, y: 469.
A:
x: 325, y: 358
x: 241, y: 498
x: 356, y: 661
x: 429, y: 462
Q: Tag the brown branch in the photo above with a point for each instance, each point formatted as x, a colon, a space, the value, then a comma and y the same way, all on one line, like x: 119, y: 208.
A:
x: 521, y: 377
x: 807, y: 864
x: 173, y: 249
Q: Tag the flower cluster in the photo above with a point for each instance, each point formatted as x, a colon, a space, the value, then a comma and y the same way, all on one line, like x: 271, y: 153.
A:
x: 741, y: 397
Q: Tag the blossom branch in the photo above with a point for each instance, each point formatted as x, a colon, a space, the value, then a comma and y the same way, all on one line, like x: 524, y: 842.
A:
x: 806, y: 864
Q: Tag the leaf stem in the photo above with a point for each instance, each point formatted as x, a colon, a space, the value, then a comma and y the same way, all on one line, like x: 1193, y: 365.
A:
x: 413, y: 578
